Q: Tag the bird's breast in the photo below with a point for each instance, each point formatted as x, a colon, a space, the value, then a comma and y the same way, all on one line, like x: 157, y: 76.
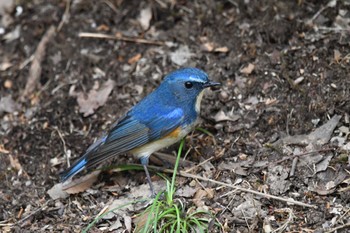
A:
x: 169, y: 139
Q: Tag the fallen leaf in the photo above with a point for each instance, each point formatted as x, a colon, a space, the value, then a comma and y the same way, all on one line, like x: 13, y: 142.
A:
x: 141, y: 220
x: 135, y: 58
x: 277, y: 179
x: 81, y: 184
x: 248, y: 69
x: 198, y: 198
x: 127, y: 222
x: 234, y: 167
x: 116, y: 225
x: 56, y: 192
x: 15, y: 163
x: 323, y: 165
x: 186, y: 191
x: 222, y: 116
x: 320, y: 136
x: 3, y: 150
x: 7, y: 104
x: 181, y: 55
x: 145, y: 17
x: 250, y: 209
x: 95, y: 99
x: 337, y: 56
x: 102, y: 27
x: 143, y: 190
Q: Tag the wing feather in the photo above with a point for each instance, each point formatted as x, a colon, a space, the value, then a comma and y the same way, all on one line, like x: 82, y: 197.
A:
x: 132, y: 131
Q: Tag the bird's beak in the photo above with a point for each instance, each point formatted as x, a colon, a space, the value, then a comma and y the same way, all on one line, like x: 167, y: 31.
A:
x: 211, y: 84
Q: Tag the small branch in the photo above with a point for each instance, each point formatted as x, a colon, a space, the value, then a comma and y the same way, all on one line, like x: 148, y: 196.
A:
x: 35, y: 68
x: 43, y: 207
x: 294, y: 156
x: 65, y: 16
x: 120, y: 37
x: 184, y: 174
x: 64, y: 145
x: 200, y: 164
x: 347, y: 225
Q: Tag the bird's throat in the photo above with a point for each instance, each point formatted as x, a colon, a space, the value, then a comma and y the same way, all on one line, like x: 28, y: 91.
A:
x: 198, y: 101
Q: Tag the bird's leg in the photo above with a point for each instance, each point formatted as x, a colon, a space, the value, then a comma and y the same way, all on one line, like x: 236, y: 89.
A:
x: 144, y: 162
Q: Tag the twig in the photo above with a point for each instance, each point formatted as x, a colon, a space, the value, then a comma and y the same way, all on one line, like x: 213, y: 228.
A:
x: 200, y: 164
x: 184, y: 174
x: 120, y: 37
x: 65, y: 16
x: 294, y: 166
x: 35, y: 68
x: 338, y: 228
x: 108, y: 3
x: 33, y: 213
x: 294, y: 156
x: 290, y: 219
x: 334, y: 29
x: 64, y: 145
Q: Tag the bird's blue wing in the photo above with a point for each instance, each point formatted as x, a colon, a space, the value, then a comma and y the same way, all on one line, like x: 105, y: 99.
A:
x: 132, y: 131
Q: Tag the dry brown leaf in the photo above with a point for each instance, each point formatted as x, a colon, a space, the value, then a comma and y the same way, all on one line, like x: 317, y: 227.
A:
x: 15, y: 163
x: 337, y: 56
x: 135, y: 58
x: 81, y: 184
x: 3, y: 150
x: 95, y: 99
x: 140, y: 221
x: 102, y: 27
x: 248, y: 69
x: 199, y: 196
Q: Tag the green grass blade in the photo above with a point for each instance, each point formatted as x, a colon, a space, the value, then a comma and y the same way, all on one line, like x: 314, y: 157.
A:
x: 172, y: 189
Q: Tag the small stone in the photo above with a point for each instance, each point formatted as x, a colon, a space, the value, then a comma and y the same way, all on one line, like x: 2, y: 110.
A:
x: 8, y: 84
x: 223, y: 95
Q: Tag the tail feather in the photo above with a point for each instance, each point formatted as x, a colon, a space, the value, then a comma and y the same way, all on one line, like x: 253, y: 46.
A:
x: 74, y: 169
x: 83, y: 162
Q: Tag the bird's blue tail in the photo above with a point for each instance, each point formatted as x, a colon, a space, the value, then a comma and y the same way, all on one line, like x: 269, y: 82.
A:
x: 74, y: 169
x: 83, y: 162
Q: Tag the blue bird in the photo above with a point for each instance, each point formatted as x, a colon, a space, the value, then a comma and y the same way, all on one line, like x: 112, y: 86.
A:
x: 159, y: 120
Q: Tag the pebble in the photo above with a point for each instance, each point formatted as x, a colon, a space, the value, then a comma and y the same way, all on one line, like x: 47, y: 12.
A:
x: 223, y: 95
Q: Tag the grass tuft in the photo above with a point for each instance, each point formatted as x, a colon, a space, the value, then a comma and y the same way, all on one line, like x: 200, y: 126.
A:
x: 166, y: 214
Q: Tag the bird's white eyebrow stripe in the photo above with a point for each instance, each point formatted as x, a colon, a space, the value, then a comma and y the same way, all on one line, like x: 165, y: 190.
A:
x: 195, y: 79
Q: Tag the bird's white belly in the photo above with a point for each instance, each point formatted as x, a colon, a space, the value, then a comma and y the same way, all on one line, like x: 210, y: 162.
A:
x: 149, y: 148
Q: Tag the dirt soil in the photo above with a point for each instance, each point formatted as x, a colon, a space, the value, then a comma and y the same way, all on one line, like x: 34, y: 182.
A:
x: 280, y: 121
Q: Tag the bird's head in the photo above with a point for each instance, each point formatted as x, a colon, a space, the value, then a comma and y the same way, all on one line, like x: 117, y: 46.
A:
x: 188, y: 84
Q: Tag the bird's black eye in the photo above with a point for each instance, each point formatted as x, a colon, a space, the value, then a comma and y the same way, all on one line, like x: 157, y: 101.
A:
x: 188, y: 85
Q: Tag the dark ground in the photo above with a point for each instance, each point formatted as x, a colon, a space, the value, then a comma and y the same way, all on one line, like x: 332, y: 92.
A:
x: 298, y: 78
